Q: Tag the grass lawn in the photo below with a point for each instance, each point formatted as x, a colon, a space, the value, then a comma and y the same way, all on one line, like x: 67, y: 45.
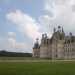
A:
x: 37, y: 68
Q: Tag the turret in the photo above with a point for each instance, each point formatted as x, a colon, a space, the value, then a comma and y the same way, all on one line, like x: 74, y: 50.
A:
x: 44, y: 36
x: 59, y: 29
x: 62, y: 30
x: 36, y: 45
x: 44, y: 39
x: 59, y: 34
x: 70, y: 34
x: 63, y: 33
x: 36, y: 49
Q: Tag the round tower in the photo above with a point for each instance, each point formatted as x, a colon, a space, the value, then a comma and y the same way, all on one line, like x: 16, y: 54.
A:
x: 36, y: 49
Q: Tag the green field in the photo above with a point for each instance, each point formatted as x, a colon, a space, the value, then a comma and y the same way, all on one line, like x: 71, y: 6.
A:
x: 37, y: 68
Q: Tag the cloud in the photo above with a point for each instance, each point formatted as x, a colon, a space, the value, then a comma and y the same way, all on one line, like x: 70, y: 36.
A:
x: 63, y: 13
x: 12, y: 35
x: 25, y: 23
x: 15, y: 46
x: 9, y: 43
x: 57, y: 12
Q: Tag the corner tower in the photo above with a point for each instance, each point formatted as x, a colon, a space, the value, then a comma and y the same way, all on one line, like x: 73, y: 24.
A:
x: 36, y: 49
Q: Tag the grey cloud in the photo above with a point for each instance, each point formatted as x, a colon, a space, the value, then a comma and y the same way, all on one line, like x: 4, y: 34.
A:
x: 64, y: 15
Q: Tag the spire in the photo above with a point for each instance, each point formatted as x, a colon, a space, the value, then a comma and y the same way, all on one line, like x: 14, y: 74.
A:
x: 70, y: 34
x: 45, y: 35
x: 54, y: 29
x: 62, y: 29
x: 42, y: 36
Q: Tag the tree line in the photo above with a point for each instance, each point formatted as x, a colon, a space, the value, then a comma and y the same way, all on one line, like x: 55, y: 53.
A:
x: 4, y: 53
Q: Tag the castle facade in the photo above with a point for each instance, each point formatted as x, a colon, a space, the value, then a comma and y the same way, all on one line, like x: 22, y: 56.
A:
x: 59, y: 46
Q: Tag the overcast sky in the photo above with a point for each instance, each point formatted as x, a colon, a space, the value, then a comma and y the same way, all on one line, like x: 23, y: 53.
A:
x: 22, y: 21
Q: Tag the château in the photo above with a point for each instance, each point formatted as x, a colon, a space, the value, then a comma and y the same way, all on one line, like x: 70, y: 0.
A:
x: 59, y: 46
